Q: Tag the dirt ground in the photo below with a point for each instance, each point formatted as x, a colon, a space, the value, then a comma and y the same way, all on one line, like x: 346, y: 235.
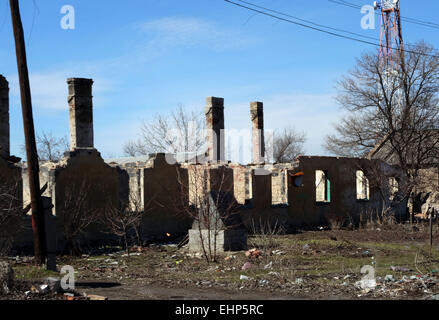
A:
x: 306, y: 265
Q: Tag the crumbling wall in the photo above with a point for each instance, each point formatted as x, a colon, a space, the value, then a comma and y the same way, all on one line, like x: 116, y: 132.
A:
x: 165, y: 189
x: 85, y: 184
x: 340, y: 202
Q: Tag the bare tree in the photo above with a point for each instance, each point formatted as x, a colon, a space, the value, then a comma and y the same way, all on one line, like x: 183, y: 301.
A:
x: 285, y: 145
x: 50, y: 147
x: 181, y: 131
x: 392, y: 112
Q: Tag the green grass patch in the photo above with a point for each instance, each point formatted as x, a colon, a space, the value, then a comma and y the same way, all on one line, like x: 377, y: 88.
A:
x: 32, y: 273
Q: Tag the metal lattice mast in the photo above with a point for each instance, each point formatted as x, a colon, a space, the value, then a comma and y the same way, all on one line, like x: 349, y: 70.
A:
x: 391, y: 54
x: 391, y: 46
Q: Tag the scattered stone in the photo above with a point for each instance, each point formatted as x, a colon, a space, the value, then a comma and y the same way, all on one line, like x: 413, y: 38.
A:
x: 299, y: 281
x: 269, y: 265
x: 399, y: 269
x: 34, y: 289
x: 263, y: 282
x: 389, y: 278
x: 69, y: 296
x: 95, y: 297
x: 366, y: 253
x: 43, y: 289
x: 6, y: 278
x: 278, y: 252
x: 54, y: 284
x: 366, y: 284
x: 246, y: 266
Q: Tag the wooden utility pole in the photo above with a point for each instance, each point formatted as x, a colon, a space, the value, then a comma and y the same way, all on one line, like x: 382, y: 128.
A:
x: 29, y: 134
x: 431, y: 227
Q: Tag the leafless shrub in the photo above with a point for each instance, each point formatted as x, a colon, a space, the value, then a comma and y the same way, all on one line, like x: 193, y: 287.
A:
x: 335, y: 222
x: 425, y: 263
x: 77, y: 212
x: 207, y: 197
x: 11, y: 216
x: 124, y: 220
x: 264, y: 234
x: 371, y: 219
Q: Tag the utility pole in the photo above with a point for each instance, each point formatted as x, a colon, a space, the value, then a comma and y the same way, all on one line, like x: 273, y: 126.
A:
x: 29, y: 133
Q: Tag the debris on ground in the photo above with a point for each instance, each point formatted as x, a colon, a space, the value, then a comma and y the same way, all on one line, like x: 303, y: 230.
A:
x: 269, y: 265
x: 95, y: 297
x: 253, y: 253
x: 54, y: 284
x: 244, y: 278
x: 399, y: 269
x: 69, y: 296
x: 389, y: 277
x: 246, y: 266
x: 366, y: 253
x: 263, y: 283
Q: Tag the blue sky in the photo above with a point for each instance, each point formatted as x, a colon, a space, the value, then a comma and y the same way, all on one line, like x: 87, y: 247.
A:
x: 148, y: 56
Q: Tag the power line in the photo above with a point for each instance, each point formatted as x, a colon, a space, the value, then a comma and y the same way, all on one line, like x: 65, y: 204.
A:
x: 310, y: 22
x: 36, y: 10
x: 319, y: 29
x: 406, y: 19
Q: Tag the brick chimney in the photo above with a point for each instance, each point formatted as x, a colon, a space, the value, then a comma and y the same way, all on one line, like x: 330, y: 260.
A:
x: 257, y: 118
x: 215, y: 129
x: 80, y: 113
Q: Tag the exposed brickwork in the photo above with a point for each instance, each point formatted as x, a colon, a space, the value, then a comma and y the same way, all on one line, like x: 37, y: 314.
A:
x: 214, y: 112
x: 81, y: 113
x: 257, y: 118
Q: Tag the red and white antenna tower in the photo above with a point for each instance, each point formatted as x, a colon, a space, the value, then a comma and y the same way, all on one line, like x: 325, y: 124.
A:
x: 391, y: 46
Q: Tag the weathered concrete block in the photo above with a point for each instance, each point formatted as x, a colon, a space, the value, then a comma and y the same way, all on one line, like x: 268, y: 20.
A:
x: 225, y: 240
x: 218, y: 225
x: 6, y: 278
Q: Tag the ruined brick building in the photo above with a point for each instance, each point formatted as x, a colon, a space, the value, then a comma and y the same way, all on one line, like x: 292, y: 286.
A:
x: 307, y: 193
